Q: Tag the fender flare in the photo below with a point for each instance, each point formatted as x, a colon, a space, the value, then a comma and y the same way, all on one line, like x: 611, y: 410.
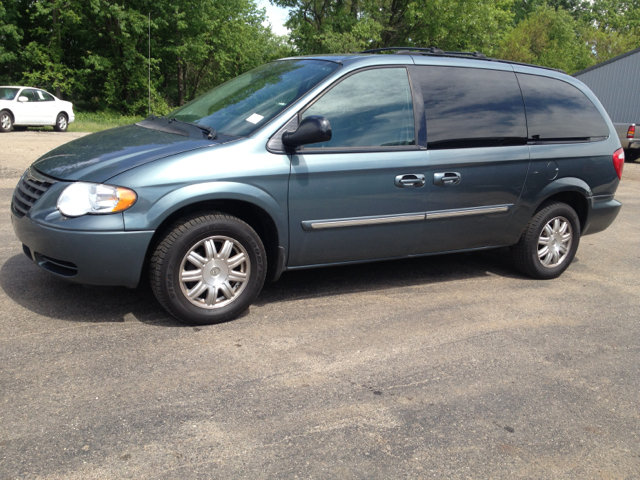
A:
x: 209, y: 191
x: 562, y: 185
x: 526, y: 208
x: 13, y: 116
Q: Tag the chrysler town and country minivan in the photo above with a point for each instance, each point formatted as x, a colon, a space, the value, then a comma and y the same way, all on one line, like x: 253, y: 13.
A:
x: 326, y: 160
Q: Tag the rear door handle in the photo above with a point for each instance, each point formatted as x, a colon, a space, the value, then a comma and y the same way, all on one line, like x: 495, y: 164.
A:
x: 447, y: 179
x: 410, y: 180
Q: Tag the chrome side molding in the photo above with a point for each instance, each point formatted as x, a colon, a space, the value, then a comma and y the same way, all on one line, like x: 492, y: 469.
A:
x: 405, y: 217
x: 467, y: 211
x: 360, y: 221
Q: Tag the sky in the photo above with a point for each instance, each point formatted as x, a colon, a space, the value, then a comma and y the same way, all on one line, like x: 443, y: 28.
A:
x: 276, y: 16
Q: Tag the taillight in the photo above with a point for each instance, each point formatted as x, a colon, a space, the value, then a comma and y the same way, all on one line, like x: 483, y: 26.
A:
x: 632, y: 131
x: 618, y: 162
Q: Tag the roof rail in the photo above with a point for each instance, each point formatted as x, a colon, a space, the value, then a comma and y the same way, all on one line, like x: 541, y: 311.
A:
x: 436, y: 52
x: 425, y: 51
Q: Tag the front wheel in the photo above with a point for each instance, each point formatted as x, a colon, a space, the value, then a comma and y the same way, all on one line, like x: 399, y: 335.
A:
x: 61, y: 123
x: 6, y: 121
x: 548, y: 245
x: 208, y: 268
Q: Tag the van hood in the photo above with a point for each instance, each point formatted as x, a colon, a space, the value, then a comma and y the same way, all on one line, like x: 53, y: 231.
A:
x: 100, y: 156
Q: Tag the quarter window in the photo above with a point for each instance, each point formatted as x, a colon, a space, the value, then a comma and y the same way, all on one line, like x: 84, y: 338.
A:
x: 372, y: 108
x: 558, y: 111
x: 471, y: 107
x: 44, y: 96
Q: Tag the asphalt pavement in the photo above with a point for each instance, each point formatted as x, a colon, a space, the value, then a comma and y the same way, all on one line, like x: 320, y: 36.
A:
x: 451, y: 366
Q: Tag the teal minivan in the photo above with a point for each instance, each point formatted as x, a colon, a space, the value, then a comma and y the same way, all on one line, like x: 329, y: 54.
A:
x: 323, y: 160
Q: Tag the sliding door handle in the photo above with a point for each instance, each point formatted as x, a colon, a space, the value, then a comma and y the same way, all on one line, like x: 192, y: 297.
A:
x: 447, y: 179
x: 409, y: 180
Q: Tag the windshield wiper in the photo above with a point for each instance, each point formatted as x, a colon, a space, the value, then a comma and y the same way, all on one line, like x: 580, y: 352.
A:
x: 210, y: 130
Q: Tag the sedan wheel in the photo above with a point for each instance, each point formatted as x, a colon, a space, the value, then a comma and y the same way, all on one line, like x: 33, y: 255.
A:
x: 208, y: 268
x: 6, y: 121
x: 61, y: 123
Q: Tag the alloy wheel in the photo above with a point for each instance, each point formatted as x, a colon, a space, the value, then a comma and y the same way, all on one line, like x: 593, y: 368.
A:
x: 5, y: 121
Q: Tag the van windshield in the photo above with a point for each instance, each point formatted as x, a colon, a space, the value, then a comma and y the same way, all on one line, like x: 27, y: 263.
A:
x: 242, y: 105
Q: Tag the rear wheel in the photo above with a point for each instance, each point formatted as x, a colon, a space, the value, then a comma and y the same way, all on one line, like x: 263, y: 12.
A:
x: 6, y: 121
x: 208, y: 268
x: 62, y: 123
x: 549, y: 244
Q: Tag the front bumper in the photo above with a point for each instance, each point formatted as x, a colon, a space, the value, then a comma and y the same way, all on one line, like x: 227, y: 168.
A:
x: 91, y: 257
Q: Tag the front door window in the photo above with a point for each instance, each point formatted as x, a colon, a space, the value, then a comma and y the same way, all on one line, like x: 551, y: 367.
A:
x: 372, y: 108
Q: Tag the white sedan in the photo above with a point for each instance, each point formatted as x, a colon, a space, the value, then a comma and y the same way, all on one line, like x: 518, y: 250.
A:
x: 32, y: 107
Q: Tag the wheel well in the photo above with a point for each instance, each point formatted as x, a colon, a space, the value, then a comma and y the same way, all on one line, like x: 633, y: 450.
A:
x: 249, y: 213
x: 63, y: 113
x: 575, y: 200
x: 13, y: 117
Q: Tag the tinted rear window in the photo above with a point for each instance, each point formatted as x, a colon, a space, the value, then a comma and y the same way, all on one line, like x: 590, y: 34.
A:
x: 471, y: 107
x: 558, y: 111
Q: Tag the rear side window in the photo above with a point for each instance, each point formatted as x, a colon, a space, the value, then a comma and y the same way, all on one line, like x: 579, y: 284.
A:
x: 44, y: 96
x: 558, y: 111
x: 30, y: 94
x: 470, y: 107
x: 373, y: 108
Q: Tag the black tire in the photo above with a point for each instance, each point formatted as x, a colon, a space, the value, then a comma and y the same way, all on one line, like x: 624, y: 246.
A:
x: 526, y: 253
x: 223, y: 298
x: 6, y: 121
x: 62, y: 123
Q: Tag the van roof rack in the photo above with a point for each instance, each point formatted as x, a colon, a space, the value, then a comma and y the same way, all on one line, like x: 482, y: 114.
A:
x: 425, y: 51
x: 436, y: 52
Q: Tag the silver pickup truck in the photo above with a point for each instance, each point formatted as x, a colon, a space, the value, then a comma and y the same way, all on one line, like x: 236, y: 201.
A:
x: 629, y: 135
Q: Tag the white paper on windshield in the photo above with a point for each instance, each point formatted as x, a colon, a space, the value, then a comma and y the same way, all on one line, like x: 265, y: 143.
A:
x: 255, y: 118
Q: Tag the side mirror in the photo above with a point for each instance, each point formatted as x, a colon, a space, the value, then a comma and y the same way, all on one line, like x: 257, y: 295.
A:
x: 313, y: 129
x: 22, y: 98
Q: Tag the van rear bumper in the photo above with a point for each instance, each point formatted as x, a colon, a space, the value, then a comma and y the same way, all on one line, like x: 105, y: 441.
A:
x: 604, y: 211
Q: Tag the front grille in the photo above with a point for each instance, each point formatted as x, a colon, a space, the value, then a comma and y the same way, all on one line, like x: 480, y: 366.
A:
x: 30, y: 187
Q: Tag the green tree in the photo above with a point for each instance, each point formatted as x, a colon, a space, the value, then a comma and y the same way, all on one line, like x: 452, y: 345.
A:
x: 522, y: 8
x: 322, y: 26
x: 10, y: 38
x: 612, y: 27
x: 547, y: 37
x: 205, y: 43
x: 96, y: 51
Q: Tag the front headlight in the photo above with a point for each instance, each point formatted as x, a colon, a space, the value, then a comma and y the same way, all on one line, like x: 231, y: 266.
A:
x: 86, y: 198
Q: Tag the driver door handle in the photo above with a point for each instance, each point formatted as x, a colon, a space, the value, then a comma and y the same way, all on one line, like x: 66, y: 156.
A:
x: 447, y: 179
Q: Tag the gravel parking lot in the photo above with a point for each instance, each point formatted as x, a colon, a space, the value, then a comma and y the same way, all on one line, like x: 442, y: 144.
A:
x: 442, y: 367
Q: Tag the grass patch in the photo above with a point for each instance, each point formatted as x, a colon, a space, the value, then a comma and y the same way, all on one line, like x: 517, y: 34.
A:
x: 95, y: 122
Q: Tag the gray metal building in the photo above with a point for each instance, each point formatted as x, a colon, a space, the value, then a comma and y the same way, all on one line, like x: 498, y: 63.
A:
x: 616, y: 83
